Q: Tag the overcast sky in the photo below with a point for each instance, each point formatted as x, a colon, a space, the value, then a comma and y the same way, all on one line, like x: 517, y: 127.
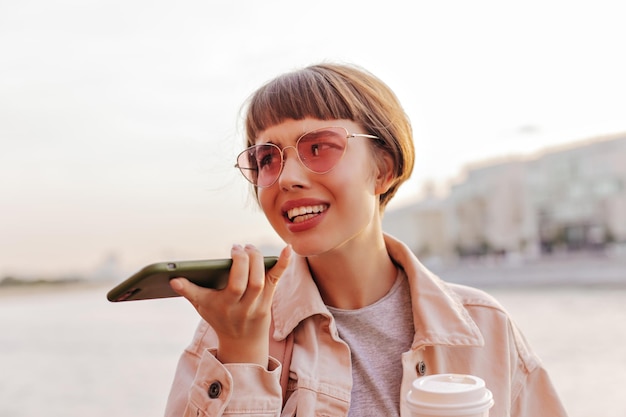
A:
x: 119, y: 119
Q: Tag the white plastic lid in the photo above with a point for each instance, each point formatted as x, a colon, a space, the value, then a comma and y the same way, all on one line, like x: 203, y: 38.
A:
x: 450, y: 395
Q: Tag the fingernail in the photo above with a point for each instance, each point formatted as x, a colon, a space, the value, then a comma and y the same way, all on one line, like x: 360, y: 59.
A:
x: 176, y: 284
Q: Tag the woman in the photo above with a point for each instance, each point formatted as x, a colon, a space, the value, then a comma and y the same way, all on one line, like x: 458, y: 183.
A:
x: 348, y: 317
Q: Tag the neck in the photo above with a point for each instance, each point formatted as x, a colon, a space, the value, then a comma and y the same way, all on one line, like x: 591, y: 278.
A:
x: 355, y: 275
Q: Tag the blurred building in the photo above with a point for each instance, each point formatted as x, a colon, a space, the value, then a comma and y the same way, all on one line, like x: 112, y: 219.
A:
x: 564, y: 199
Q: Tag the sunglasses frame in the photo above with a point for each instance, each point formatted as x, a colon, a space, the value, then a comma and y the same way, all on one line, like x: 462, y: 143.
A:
x: 348, y: 136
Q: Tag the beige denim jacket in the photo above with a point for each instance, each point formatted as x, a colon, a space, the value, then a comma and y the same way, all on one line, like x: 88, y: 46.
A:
x: 457, y: 330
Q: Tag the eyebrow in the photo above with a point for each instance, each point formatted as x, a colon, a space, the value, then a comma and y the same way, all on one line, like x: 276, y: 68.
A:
x: 274, y: 141
x: 317, y: 130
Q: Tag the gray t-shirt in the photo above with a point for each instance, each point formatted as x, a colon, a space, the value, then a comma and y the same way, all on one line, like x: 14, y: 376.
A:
x: 377, y: 335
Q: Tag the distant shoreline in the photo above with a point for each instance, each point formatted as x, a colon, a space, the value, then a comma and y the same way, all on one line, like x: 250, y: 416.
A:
x: 558, y: 272
x: 25, y: 288
x: 553, y: 273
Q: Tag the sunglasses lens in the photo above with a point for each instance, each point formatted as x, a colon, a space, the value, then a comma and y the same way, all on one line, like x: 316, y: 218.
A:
x: 260, y: 164
x: 320, y: 150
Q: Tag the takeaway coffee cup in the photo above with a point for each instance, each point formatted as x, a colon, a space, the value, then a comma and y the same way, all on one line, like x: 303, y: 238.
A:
x: 449, y: 395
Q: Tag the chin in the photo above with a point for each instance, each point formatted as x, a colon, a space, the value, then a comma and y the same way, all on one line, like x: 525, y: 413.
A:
x: 304, y: 247
x: 310, y: 249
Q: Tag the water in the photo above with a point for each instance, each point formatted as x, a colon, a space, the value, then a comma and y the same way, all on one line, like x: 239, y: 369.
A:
x: 76, y: 354
x: 72, y: 353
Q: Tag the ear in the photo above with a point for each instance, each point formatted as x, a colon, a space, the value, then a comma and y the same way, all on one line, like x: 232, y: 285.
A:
x: 385, y: 174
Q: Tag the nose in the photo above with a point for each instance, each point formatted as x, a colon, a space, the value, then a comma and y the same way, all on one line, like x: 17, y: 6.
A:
x: 293, y: 173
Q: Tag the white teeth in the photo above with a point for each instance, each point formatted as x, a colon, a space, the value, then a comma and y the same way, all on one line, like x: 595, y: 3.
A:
x: 305, y: 210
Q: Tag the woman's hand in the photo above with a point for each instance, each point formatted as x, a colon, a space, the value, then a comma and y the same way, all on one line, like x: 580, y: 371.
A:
x: 240, y: 314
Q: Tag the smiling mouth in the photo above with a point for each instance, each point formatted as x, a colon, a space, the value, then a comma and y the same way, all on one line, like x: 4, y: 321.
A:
x: 301, y: 214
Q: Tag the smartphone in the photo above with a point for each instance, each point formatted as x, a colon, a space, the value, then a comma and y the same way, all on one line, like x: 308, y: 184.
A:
x: 153, y: 281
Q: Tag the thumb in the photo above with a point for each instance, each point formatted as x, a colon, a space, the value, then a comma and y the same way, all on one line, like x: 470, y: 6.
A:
x: 274, y: 274
x: 182, y: 286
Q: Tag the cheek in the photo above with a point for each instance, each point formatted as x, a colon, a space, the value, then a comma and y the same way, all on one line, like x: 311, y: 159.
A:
x: 361, y: 168
x: 359, y: 178
x: 355, y: 195
x: 263, y: 200
x: 266, y: 200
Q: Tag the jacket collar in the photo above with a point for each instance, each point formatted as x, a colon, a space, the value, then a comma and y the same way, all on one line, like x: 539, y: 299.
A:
x: 438, y: 313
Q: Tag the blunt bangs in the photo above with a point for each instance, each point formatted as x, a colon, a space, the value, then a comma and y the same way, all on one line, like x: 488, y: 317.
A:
x: 311, y: 92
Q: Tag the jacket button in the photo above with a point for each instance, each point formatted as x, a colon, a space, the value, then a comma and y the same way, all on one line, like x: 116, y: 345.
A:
x: 215, y: 389
x: 421, y: 368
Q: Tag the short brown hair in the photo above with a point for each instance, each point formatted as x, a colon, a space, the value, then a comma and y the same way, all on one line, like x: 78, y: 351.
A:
x: 337, y: 91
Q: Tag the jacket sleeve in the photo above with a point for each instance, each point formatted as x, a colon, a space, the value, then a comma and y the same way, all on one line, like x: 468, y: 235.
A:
x: 537, y: 398
x: 512, y: 370
x: 203, y: 386
x: 533, y: 394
